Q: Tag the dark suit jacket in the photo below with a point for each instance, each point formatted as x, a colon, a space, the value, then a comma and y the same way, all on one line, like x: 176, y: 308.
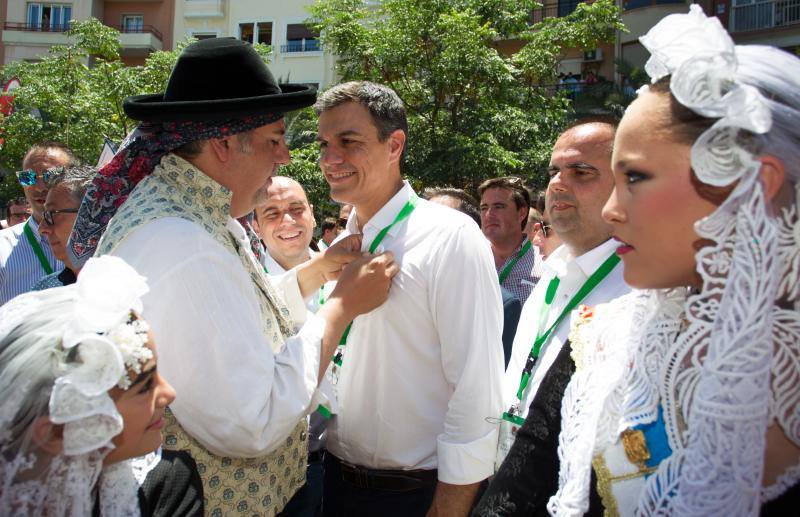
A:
x: 528, y: 477
x: 512, y: 307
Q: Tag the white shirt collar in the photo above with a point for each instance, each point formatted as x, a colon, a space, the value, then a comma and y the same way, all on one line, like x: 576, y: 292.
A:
x: 272, y: 265
x: 386, y: 214
x: 588, y: 263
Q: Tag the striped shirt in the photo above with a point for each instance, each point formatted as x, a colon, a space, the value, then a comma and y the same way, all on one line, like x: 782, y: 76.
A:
x: 520, y: 280
x: 19, y: 266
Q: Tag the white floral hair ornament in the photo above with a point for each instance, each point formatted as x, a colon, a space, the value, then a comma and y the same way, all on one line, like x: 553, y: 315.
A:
x: 109, y: 340
x: 705, y: 83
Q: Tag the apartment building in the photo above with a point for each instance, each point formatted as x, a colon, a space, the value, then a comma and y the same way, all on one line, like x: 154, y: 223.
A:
x: 297, y: 54
x: 29, y: 28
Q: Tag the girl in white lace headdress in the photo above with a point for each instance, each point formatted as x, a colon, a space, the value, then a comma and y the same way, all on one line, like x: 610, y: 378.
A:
x: 686, y: 399
x: 79, y: 395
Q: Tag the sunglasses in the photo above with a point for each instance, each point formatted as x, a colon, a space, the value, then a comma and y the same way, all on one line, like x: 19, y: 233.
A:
x: 544, y: 227
x: 47, y: 215
x: 27, y: 178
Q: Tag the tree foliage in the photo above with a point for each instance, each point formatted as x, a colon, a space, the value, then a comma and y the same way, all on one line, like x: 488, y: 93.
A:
x: 74, y: 95
x: 474, y: 113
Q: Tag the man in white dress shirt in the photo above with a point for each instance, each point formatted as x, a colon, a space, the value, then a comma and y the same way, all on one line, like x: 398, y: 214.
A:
x: 25, y: 255
x: 421, y: 374
x: 285, y: 223
x: 583, y: 271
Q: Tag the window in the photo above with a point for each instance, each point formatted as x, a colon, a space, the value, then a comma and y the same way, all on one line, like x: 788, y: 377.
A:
x: 300, y: 38
x: 132, y: 23
x: 634, y: 4
x: 49, y: 17
x: 203, y: 36
x: 260, y: 32
x: 566, y: 7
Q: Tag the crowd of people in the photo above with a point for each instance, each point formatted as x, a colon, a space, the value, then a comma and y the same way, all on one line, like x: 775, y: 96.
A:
x: 626, y: 342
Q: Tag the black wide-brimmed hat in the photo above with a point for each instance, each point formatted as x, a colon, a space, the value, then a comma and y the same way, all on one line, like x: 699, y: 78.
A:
x: 219, y: 79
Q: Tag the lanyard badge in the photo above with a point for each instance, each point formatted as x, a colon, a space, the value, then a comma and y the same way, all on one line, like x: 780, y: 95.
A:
x: 512, y: 419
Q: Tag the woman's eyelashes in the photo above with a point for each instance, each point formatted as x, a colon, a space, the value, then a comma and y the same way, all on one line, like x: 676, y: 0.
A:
x: 633, y: 176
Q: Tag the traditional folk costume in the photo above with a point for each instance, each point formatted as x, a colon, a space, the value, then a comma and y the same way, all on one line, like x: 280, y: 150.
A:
x: 245, y: 385
x: 100, y: 346
x: 675, y: 389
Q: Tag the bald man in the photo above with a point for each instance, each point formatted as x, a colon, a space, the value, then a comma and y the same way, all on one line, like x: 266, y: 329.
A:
x: 286, y: 225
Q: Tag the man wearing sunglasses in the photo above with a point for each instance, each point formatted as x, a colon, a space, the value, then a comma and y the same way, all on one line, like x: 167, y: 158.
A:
x: 25, y: 255
x: 67, y: 186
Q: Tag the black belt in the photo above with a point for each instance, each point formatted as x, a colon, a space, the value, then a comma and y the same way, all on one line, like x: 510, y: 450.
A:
x: 391, y: 480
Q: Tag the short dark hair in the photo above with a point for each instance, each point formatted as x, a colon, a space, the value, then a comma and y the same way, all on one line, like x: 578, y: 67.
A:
x: 467, y: 203
x: 519, y: 193
x: 385, y: 107
x: 329, y: 223
x: 46, y: 145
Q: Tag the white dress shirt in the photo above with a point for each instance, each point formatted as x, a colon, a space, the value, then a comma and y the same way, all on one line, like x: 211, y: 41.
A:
x: 423, y: 371
x: 573, y: 273
x: 279, y: 277
x: 20, y: 268
x: 234, y: 395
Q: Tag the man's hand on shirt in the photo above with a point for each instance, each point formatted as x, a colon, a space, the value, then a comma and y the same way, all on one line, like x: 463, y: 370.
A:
x: 327, y: 266
x: 364, y: 284
x: 337, y: 256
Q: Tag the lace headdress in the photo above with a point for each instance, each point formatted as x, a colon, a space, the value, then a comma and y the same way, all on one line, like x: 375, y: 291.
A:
x: 723, y: 363
x: 61, y: 351
x: 733, y: 370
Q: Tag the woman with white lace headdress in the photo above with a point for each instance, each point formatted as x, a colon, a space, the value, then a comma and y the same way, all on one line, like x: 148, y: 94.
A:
x: 79, y: 396
x: 686, y: 399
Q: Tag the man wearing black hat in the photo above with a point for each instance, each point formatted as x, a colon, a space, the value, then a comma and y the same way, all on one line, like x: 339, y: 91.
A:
x: 203, y: 156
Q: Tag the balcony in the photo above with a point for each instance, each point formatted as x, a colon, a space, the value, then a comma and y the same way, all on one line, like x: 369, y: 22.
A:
x: 139, y: 40
x: 34, y: 34
x: 764, y: 15
x: 556, y: 10
x: 204, y: 8
x: 301, y: 46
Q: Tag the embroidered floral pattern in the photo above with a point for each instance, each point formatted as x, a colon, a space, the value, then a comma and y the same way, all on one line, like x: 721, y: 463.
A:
x: 248, y: 486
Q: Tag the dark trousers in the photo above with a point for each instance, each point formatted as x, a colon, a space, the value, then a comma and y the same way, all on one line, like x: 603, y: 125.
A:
x: 307, y: 502
x: 342, y: 499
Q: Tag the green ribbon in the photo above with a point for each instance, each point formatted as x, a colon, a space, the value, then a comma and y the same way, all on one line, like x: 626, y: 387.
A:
x: 37, y: 248
x: 510, y: 265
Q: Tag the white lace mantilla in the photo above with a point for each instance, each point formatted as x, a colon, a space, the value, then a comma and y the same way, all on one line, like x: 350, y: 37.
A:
x: 724, y: 368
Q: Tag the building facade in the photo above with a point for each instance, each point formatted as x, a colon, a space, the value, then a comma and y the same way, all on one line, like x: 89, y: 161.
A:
x: 30, y: 28
x: 297, y: 55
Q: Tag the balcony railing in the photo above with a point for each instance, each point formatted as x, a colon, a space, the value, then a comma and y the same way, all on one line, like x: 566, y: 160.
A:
x: 554, y: 10
x: 302, y: 46
x: 141, y: 29
x: 764, y: 15
x: 38, y: 27
x: 34, y: 27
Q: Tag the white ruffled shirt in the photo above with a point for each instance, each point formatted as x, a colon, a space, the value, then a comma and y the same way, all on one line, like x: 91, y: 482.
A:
x: 234, y: 395
x: 423, y: 371
x: 573, y: 272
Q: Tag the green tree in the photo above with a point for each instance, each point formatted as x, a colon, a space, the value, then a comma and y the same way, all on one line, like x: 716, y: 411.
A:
x: 75, y: 94
x: 473, y: 112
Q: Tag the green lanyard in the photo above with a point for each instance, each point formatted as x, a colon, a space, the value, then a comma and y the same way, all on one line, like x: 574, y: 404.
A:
x: 409, y: 207
x: 588, y: 286
x: 37, y: 248
x: 510, y: 265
